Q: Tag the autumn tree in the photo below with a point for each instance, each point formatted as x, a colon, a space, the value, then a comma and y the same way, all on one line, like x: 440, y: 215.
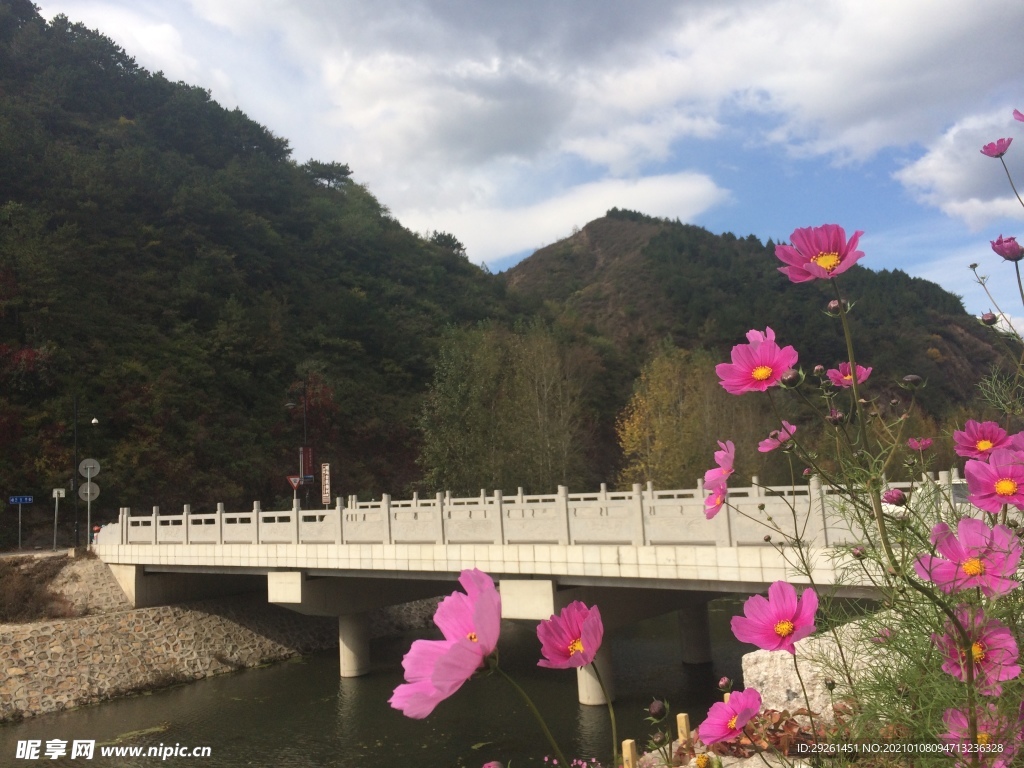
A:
x: 669, y: 429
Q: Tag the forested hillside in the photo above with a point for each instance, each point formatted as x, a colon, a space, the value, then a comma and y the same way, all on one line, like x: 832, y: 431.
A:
x: 167, y: 265
x: 164, y: 260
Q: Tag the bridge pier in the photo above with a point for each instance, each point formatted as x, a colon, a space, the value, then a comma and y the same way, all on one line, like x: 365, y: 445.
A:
x: 539, y: 599
x: 588, y: 687
x: 354, y: 644
x: 695, y: 631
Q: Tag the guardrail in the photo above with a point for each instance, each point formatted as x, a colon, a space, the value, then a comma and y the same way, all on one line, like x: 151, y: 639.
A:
x: 641, y: 516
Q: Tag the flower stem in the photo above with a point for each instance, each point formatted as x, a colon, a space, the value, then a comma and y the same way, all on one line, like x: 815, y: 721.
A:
x: 536, y: 713
x: 611, y: 714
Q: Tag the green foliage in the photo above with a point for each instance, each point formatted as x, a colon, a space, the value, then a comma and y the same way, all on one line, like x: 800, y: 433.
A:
x: 164, y: 260
x: 504, y: 411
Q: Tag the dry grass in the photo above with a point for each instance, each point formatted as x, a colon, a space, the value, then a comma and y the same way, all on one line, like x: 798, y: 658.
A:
x: 25, y: 590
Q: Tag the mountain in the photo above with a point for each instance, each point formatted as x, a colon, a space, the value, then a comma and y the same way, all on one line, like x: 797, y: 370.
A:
x: 164, y: 262
x: 635, y: 281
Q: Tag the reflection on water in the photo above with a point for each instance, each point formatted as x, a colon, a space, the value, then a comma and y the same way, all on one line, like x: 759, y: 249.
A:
x: 299, y: 714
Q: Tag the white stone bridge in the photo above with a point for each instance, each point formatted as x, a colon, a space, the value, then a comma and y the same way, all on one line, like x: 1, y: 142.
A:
x: 636, y: 554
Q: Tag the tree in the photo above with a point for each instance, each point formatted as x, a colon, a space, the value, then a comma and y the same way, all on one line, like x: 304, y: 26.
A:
x: 504, y: 410
x: 330, y: 175
x: 669, y: 429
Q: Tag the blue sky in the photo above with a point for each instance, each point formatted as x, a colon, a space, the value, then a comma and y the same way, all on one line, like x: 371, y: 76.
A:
x: 509, y: 124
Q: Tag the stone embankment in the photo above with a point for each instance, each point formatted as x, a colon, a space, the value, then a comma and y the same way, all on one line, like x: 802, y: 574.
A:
x: 113, y: 650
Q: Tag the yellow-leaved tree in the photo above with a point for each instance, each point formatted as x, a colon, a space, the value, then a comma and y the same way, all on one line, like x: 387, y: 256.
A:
x: 669, y: 429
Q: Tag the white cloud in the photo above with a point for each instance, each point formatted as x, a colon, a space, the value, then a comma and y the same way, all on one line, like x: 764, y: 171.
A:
x: 506, y: 123
x: 491, y: 232
x: 954, y: 176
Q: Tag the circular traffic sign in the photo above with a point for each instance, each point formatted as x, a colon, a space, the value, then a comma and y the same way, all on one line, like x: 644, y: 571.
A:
x: 89, y: 468
x: 89, y: 491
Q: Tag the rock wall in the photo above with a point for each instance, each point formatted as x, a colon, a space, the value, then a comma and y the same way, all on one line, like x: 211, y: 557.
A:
x: 113, y: 650
x: 53, y: 665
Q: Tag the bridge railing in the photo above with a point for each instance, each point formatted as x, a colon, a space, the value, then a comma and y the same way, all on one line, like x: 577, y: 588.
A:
x: 641, y: 516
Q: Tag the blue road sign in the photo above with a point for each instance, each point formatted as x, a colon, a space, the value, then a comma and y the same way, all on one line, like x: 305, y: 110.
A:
x: 20, y: 499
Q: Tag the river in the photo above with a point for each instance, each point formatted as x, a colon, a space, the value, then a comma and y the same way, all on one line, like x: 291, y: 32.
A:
x: 300, y: 714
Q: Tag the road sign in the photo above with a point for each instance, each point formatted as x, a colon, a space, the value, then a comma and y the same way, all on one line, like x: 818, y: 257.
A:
x: 293, y: 481
x: 21, y: 499
x: 325, y: 483
x: 88, y: 491
x: 89, y: 468
x: 58, y: 493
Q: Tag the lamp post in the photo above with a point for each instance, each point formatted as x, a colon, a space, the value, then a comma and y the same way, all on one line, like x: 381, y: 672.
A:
x: 74, y: 467
x: 305, y: 434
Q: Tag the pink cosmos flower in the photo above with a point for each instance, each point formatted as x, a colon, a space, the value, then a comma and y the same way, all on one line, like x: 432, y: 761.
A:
x: 895, y: 496
x: 843, y: 377
x: 1018, y: 115
x: 755, y: 366
x: 725, y: 459
x: 435, y: 669
x: 777, y: 623
x: 885, y: 634
x: 492, y: 764
x: 980, y: 557
x: 995, y: 483
x: 997, y: 148
x: 993, y: 650
x: 977, y: 439
x: 571, y: 638
x: 777, y: 437
x: 755, y: 335
x: 717, y: 494
x: 726, y: 719
x: 992, y: 730
x: 1008, y: 248
x: 919, y: 443
x: 818, y: 253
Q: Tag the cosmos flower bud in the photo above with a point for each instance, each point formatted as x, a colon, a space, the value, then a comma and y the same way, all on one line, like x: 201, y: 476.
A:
x: 819, y: 370
x: 989, y: 318
x: 912, y: 381
x: 830, y: 685
x: 791, y: 378
x: 835, y: 417
x: 656, y: 709
x: 833, y: 307
x: 767, y: 538
x: 859, y: 552
x: 725, y: 684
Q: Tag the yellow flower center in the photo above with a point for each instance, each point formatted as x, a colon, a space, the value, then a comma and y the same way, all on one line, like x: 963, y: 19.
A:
x: 848, y: 377
x: 827, y: 261
x: 731, y: 725
x: 1006, y: 487
x: 703, y: 761
x: 983, y: 445
x: 977, y: 651
x: 762, y: 372
x: 983, y: 738
x: 576, y: 646
x: 472, y: 637
x: 784, y: 628
x: 973, y: 567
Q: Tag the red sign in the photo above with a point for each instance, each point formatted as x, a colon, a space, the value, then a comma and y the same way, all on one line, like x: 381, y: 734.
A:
x: 306, y: 464
x: 294, y: 480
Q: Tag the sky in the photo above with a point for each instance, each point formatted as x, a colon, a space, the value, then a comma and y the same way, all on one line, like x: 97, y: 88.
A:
x: 509, y: 124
